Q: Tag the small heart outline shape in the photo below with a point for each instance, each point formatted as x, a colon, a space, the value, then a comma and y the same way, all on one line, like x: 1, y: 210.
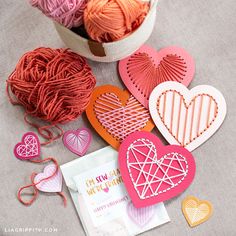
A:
x: 28, y: 148
x: 192, y: 207
x: 51, y: 185
x: 73, y: 141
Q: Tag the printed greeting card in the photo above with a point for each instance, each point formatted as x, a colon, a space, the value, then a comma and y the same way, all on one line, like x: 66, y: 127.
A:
x: 102, y: 202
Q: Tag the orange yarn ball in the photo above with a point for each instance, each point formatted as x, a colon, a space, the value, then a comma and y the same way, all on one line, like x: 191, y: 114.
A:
x: 54, y: 85
x: 111, y: 20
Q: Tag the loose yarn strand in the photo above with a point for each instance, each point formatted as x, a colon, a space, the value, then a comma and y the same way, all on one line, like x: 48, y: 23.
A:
x: 36, y: 191
x: 54, y: 85
x: 45, y: 131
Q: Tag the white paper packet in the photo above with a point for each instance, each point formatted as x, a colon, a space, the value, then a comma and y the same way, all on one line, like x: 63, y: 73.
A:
x: 101, y: 200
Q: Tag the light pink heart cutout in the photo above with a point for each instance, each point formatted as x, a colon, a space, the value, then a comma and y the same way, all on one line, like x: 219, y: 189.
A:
x: 146, y: 68
x: 140, y: 216
x: 78, y: 141
x: 28, y: 148
x: 152, y: 172
x: 52, y: 185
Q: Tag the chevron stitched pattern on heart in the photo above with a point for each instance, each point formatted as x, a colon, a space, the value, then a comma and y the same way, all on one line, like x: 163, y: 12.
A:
x: 29, y: 148
x: 78, y: 142
x: 186, y: 122
x: 119, y: 120
x: 152, y: 176
x: 141, y: 65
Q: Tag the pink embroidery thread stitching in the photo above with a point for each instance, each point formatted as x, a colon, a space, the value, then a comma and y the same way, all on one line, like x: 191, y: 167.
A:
x: 29, y: 147
x: 119, y: 120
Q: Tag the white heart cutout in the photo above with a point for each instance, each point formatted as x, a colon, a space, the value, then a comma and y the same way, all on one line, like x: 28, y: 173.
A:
x: 187, y: 117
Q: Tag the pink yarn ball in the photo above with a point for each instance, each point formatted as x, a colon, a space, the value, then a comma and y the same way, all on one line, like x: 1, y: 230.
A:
x: 66, y: 12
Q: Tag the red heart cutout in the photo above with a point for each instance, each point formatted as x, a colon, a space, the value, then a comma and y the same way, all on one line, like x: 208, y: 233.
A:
x: 152, y: 172
x: 146, y: 68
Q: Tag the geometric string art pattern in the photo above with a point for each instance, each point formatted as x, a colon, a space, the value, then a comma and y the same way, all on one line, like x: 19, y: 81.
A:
x: 152, y: 176
x: 77, y: 141
x: 196, y: 211
x: 29, y: 147
x: 115, y: 114
x: 119, y: 120
x: 146, y: 68
x: 153, y: 172
x: 171, y: 68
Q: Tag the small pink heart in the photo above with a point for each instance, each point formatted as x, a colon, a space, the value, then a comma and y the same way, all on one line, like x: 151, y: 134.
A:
x: 78, y: 141
x: 106, y: 190
x: 52, y: 185
x: 140, y: 216
x: 28, y: 148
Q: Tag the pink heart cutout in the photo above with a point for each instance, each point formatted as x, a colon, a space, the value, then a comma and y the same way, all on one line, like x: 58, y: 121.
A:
x: 146, y: 68
x: 28, y: 148
x: 52, y: 185
x: 140, y: 216
x: 153, y: 172
x: 78, y: 141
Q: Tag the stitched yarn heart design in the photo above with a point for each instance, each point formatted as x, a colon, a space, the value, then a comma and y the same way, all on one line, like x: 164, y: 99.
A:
x: 51, y: 185
x: 196, y: 211
x: 77, y: 141
x: 146, y: 68
x: 187, y: 118
x: 28, y: 148
x: 140, y: 216
x: 152, y: 172
x: 115, y: 114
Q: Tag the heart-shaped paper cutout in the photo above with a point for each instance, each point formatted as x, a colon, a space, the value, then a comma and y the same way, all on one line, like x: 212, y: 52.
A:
x: 187, y: 117
x: 28, y: 148
x: 115, y: 114
x: 77, y: 141
x: 140, y: 216
x: 146, y: 68
x: 196, y: 211
x: 51, y: 185
x: 152, y: 172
